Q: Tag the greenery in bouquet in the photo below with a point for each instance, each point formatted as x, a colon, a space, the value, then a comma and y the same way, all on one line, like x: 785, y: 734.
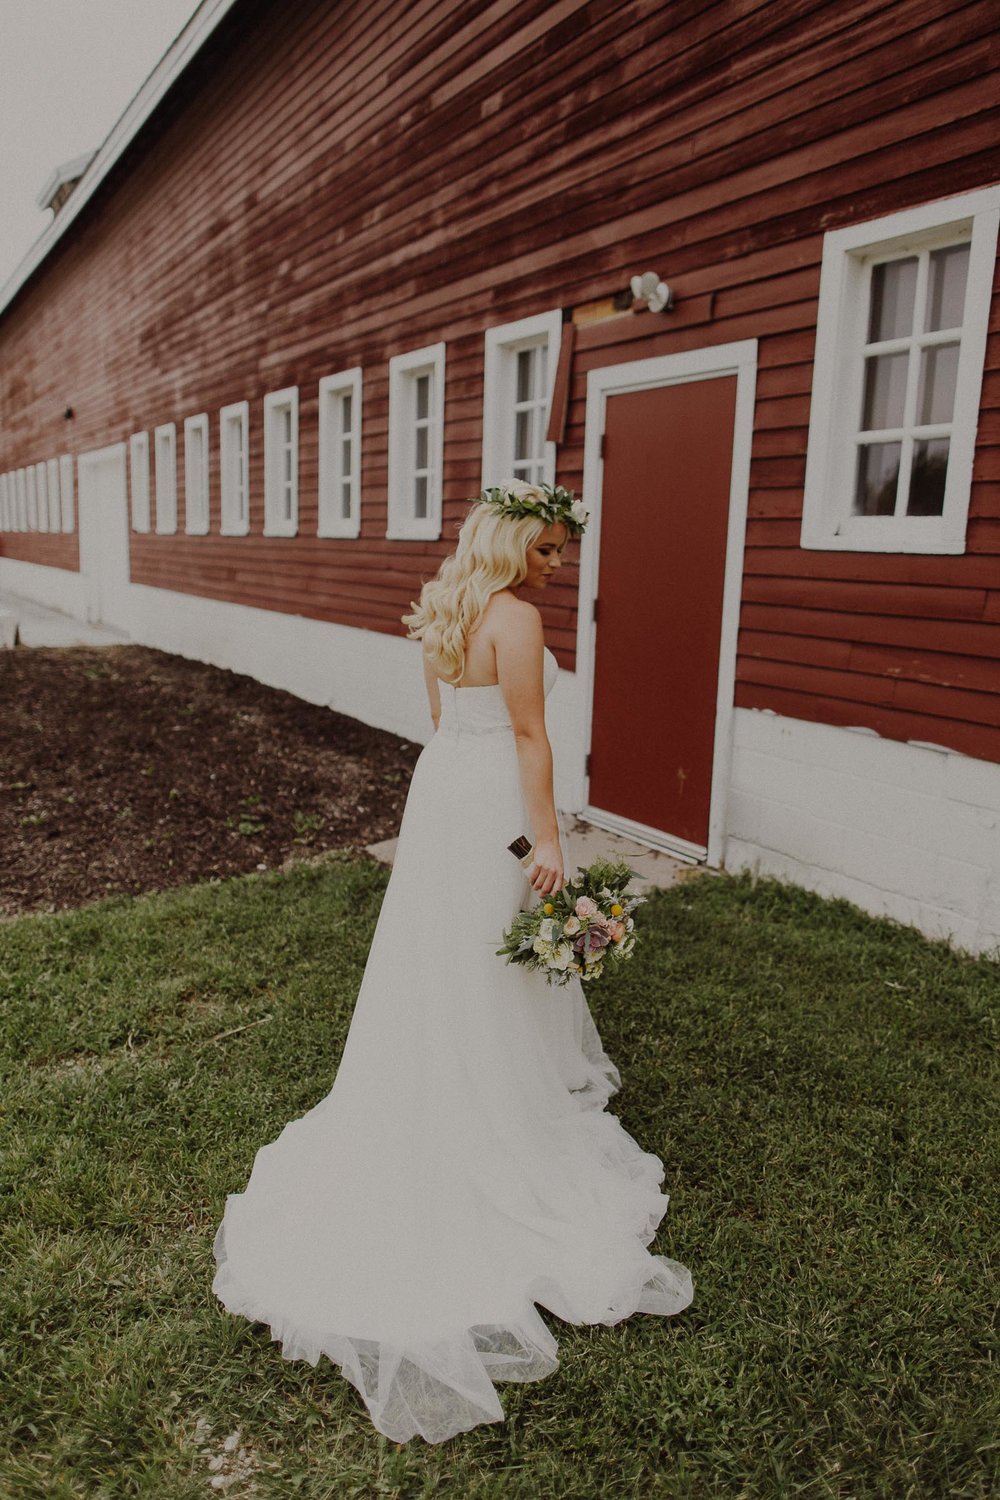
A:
x: 579, y: 929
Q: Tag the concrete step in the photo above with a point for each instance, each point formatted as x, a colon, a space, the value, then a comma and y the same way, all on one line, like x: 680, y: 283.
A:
x: 584, y: 842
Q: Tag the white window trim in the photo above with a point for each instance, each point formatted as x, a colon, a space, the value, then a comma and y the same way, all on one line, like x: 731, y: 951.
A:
x: 42, y: 493
x: 196, y: 519
x: 31, y: 494
x: 331, y: 520
x: 276, y: 524
x: 66, y: 495
x: 403, y: 368
x: 232, y: 522
x: 165, y: 471
x: 501, y: 347
x: 22, y: 500
x: 138, y: 464
x: 55, y: 508
x: 4, y: 508
x: 827, y: 519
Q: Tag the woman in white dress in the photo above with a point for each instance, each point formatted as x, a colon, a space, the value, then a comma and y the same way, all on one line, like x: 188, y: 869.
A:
x: 463, y: 1166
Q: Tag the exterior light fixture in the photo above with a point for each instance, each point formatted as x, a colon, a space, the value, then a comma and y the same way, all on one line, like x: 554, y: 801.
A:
x: 650, y: 292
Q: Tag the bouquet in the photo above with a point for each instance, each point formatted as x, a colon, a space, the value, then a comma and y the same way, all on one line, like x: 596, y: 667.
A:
x: 577, y: 930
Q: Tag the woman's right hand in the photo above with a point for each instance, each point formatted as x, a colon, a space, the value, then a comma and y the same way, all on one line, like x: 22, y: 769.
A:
x: 545, y: 873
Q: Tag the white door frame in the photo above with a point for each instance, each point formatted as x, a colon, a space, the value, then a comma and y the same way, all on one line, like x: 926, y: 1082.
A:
x: 739, y: 359
x: 104, y: 540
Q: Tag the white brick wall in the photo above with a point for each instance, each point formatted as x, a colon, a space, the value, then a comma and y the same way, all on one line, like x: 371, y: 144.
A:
x: 899, y: 829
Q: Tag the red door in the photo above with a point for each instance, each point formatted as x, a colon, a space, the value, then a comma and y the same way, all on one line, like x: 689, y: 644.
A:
x: 664, y: 518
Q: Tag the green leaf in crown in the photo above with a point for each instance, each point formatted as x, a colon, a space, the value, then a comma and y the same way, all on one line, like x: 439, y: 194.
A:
x: 550, y: 502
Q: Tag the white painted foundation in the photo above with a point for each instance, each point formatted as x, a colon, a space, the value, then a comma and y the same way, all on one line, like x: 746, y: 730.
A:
x: 362, y: 673
x: 901, y: 830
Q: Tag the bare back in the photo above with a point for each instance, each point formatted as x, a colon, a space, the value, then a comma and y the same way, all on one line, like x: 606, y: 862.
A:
x: 480, y: 648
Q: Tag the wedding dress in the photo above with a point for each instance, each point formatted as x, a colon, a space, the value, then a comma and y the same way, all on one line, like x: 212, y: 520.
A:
x: 463, y: 1166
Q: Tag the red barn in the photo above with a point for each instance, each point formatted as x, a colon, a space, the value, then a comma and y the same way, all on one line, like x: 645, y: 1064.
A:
x: 725, y: 267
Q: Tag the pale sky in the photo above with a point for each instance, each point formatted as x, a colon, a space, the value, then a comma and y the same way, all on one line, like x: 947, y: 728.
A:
x: 68, y: 70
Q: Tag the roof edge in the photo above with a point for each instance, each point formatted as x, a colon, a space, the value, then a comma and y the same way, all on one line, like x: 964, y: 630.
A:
x: 67, y: 171
x: 187, y: 43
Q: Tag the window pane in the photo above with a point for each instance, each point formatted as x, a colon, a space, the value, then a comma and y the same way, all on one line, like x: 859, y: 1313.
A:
x: 345, y: 499
x: 345, y: 412
x: 286, y: 424
x: 522, y: 435
x: 420, y: 495
x: 949, y: 269
x: 930, y: 469
x: 286, y: 502
x: 885, y: 388
x: 423, y: 395
x: 525, y: 374
x: 938, y: 378
x: 420, y: 461
x: 286, y: 466
x: 894, y: 285
x: 878, y: 471
x: 345, y: 456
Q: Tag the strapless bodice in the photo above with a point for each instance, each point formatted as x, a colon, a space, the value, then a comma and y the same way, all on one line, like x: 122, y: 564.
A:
x: 482, y: 710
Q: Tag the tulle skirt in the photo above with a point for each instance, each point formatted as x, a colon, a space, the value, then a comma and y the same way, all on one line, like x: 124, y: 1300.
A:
x: 463, y: 1167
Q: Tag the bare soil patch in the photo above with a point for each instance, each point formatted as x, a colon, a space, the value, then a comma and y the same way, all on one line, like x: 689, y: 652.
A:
x: 124, y: 769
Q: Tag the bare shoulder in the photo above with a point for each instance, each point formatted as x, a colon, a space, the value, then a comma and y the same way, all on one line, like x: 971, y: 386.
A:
x: 508, y: 614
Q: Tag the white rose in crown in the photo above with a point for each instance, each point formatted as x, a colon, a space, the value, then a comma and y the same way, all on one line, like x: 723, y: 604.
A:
x: 524, y: 491
x: 578, y: 511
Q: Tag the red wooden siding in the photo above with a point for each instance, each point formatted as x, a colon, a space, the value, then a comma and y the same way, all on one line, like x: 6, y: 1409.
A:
x: 331, y: 185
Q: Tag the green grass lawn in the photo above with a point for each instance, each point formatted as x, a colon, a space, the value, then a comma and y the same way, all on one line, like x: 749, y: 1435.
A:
x: 820, y: 1085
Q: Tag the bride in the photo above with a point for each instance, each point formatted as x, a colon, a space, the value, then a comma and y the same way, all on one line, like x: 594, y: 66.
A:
x: 463, y: 1166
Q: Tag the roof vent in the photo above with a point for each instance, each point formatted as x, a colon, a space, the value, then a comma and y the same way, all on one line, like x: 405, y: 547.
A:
x: 63, y: 180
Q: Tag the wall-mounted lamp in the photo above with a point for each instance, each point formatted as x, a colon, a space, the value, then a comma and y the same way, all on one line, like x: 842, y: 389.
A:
x: 650, y: 292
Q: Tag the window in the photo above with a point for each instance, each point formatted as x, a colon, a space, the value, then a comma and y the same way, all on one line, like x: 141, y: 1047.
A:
x: 138, y: 463
x: 196, y: 475
x: 518, y: 374
x: 66, y: 491
x: 42, y: 493
x: 900, y: 345
x: 52, y: 486
x: 165, y: 465
x: 31, y: 495
x: 281, y: 462
x: 234, y: 462
x: 340, y: 454
x: 416, y: 443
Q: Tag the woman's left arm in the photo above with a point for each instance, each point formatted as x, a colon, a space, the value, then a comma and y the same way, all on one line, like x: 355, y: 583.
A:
x: 433, y: 690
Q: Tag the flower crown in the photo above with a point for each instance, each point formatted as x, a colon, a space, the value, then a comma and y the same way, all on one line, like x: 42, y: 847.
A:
x: 549, y: 501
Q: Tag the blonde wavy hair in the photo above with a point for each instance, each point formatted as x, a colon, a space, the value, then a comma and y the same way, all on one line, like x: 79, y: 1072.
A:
x: 490, y: 555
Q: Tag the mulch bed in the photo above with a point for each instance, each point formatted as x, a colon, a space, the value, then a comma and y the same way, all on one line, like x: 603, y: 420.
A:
x: 124, y: 769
